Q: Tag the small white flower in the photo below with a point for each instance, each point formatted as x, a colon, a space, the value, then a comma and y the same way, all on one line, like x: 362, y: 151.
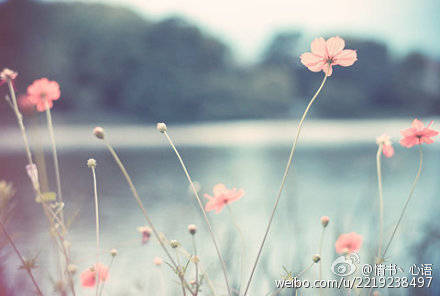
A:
x: 161, y: 127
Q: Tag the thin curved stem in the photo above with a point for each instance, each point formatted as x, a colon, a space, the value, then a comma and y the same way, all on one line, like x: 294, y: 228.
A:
x: 138, y: 200
x: 109, y: 268
x: 243, y: 245
x: 286, y: 171
x: 196, y: 195
x: 95, y: 194
x: 196, y: 265
x: 379, y: 184
x: 23, y: 262
x: 321, y: 241
x: 413, y: 187
x: 55, y: 155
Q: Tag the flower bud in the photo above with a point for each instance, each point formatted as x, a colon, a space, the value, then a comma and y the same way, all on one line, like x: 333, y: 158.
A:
x: 161, y: 127
x: 192, y: 229
x: 195, y: 259
x: 157, y: 261
x: 91, y: 163
x: 113, y: 252
x: 8, y: 74
x: 316, y: 258
x: 72, y: 268
x: 324, y: 221
x: 98, y: 132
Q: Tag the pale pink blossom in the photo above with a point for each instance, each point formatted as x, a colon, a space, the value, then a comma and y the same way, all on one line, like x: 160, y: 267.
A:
x: 222, y: 196
x: 145, y: 232
x: 42, y: 92
x: 387, y: 145
x: 88, y: 276
x: 348, y: 243
x: 325, y: 220
x: 417, y: 134
x: 326, y: 54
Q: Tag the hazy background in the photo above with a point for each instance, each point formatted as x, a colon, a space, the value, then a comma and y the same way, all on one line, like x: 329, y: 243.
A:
x: 234, y: 65
x: 182, y: 61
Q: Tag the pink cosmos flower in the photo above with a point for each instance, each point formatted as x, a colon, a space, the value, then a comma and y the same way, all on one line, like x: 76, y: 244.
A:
x: 42, y: 92
x: 222, y: 196
x: 146, y: 233
x: 88, y: 276
x: 326, y: 54
x: 348, y: 243
x: 417, y: 134
x: 387, y: 147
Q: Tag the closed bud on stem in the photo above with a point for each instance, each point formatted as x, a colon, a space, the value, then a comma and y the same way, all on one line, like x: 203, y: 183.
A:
x: 72, y: 268
x: 324, y: 221
x: 98, y: 132
x: 192, y: 229
x: 113, y: 252
x: 316, y: 258
x: 161, y: 127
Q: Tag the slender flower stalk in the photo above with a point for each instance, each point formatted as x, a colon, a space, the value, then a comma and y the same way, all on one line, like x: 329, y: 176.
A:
x: 321, y: 240
x: 379, y: 184
x: 286, y: 171
x: 23, y: 262
x: 91, y: 163
x: 99, y: 133
x: 55, y: 156
x: 192, y: 230
x: 411, y: 193
x: 103, y: 283
x: 162, y: 128
x: 243, y: 246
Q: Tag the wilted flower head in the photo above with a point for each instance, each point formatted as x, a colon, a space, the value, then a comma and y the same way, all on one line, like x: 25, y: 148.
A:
x: 161, y: 127
x: 146, y: 233
x: 417, y: 134
x: 316, y: 258
x: 91, y: 163
x: 88, y: 276
x: 7, y: 74
x: 348, y: 243
x: 326, y: 54
x: 222, y: 196
x: 25, y: 104
x: 387, y: 147
x: 174, y: 244
x: 42, y: 92
x: 72, y: 268
x: 157, y: 261
x: 325, y: 220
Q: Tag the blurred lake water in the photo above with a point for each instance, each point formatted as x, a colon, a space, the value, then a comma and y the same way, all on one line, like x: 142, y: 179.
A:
x: 334, y: 178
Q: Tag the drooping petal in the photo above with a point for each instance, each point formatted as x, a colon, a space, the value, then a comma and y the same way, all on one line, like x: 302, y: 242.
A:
x: 426, y: 140
x: 345, y: 58
x: 417, y: 124
x: 319, y: 47
x: 335, y: 45
x: 388, y: 150
x: 410, y: 141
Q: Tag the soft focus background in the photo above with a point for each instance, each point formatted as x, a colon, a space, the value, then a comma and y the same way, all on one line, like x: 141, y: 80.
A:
x: 227, y: 78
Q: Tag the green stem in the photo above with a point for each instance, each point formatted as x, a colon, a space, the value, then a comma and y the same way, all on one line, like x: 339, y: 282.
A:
x: 413, y: 187
x: 205, y: 216
x: 286, y: 171
x: 321, y: 241
x: 196, y: 265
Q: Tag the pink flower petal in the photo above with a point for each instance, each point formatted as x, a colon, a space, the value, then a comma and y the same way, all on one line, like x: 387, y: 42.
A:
x: 319, y: 47
x: 345, y: 58
x: 408, y: 142
x: 417, y: 124
x: 335, y: 45
x: 388, y: 150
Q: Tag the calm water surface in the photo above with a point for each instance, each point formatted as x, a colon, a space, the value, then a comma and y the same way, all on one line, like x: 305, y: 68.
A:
x: 339, y: 182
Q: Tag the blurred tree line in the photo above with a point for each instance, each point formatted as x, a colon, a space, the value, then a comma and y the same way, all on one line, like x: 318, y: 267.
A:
x: 111, y: 59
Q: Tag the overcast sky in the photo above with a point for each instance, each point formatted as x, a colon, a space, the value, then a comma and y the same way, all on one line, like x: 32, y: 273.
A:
x: 246, y: 25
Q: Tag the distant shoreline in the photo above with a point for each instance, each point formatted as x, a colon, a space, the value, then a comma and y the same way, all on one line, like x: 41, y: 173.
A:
x: 213, y: 134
